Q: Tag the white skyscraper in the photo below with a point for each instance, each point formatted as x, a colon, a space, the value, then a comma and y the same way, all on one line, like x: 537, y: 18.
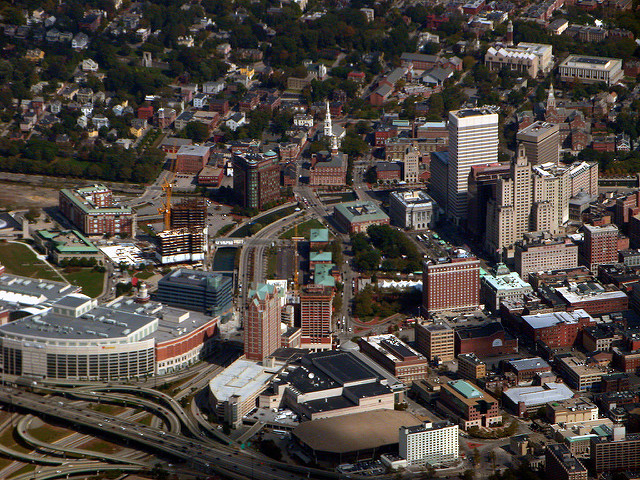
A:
x: 473, y: 140
x: 430, y: 443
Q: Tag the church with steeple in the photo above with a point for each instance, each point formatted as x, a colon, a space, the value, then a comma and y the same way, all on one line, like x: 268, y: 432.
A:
x: 333, y: 133
x: 329, y: 168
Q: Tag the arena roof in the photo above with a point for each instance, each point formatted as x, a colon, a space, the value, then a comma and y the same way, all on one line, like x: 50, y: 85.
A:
x: 355, y: 432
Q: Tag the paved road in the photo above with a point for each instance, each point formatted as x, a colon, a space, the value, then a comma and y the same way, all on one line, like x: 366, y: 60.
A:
x: 199, y: 455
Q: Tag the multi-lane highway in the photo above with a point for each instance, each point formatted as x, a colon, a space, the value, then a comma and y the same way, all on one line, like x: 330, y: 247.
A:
x: 196, y: 454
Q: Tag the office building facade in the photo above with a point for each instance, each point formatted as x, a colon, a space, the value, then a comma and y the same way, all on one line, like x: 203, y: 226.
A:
x: 591, y: 69
x: 412, y: 210
x: 561, y: 465
x: 600, y: 245
x: 435, y: 341
x: 544, y: 255
x: 256, y: 179
x: 473, y: 140
x: 541, y: 141
x: 205, y: 292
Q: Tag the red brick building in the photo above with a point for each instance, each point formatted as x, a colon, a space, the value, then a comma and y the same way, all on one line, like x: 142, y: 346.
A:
x: 93, y: 212
x: 191, y: 159
x: 262, y: 325
x: 328, y: 170
x: 145, y: 112
x: 600, y: 245
x: 557, y: 329
x: 451, y: 285
x: 485, y: 340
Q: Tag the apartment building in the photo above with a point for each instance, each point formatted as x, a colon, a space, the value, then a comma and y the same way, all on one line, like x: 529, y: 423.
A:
x: 316, y: 307
x: 435, y: 340
x: 93, y: 211
x: 578, y: 374
x: 433, y: 444
x: 262, y: 325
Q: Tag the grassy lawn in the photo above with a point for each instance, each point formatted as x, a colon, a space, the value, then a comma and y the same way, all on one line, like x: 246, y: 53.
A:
x: 4, y: 462
x: 87, y: 278
x: 25, y: 469
x: 49, y: 433
x: 100, y: 446
x: 9, y: 439
x: 19, y: 260
x: 144, y: 274
x: 146, y: 420
x: 108, y: 409
x: 272, y: 263
x: 303, y: 229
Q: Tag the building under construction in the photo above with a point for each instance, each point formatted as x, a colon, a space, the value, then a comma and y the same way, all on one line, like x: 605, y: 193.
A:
x: 189, y: 213
x: 182, y: 245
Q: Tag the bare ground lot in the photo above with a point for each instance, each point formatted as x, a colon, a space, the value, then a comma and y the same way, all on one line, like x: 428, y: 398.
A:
x: 19, y: 196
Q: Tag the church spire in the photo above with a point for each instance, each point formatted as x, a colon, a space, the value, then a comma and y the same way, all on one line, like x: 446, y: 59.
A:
x: 328, y: 128
x: 551, y: 99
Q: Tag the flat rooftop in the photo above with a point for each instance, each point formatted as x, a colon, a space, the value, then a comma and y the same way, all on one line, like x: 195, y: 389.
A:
x: 25, y: 291
x: 355, y: 432
x: 100, y: 323
x: 243, y: 378
x: 539, y: 395
x: 393, y: 348
x: 414, y: 198
x: 361, y: 211
x: 544, y: 320
x: 501, y: 283
x: 583, y: 61
x: 538, y: 129
x: 528, y: 364
x: 172, y: 322
x: 195, y: 278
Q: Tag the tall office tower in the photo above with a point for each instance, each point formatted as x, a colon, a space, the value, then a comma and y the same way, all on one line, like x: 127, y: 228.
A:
x: 262, y: 325
x: 189, y: 213
x: 411, y: 165
x: 315, y: 317
x: 482, y: 184
x: 541, y: 141
x: 473, y: 140
x: 600, y: 245
x: 256, y: 179
x: 452, y: 284
x: 508, y: 213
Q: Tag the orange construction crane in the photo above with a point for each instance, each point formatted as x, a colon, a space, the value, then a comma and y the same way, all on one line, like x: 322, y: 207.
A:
x: 167, y: 187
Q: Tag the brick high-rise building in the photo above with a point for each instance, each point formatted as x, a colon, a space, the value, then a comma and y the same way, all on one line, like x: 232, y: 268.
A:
x: 262, y: 325
x: 316, y: 305
x: 189, y: 213
x: 473, y: 140
x: 600, y: 245
x: 453, y: 285
x: 256, y: 179
x: 93, y: 211
x: 561, y: 465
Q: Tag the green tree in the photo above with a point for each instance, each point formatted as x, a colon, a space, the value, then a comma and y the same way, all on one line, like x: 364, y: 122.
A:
x: 196, y: 131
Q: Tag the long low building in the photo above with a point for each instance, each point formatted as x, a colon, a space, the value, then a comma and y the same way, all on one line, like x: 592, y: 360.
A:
x: 356, y: 217
x: 524, y: 400
x: 589, y: 69
x: 70, y: 336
